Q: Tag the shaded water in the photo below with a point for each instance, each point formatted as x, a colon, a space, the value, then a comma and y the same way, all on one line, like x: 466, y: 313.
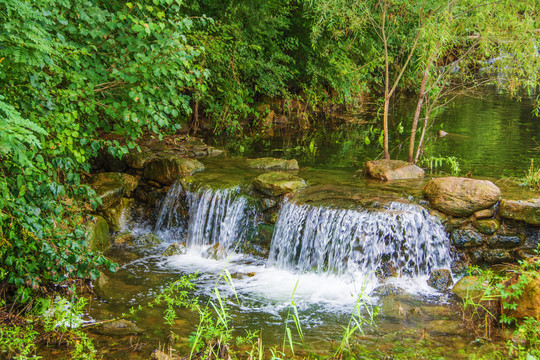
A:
x: 491, y: 135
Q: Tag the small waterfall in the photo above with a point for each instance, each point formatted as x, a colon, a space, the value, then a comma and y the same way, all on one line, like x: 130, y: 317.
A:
x: 404, y: 237
x: 204, y: 217
x: 216, y: 217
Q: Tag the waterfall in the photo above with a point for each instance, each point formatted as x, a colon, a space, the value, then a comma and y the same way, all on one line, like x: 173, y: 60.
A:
x: 204, y: 217
x: 402, y: 237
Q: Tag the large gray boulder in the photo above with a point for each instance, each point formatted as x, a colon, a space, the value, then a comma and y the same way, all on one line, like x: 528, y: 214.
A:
x: 461, y: 196
x: 393, y: 170
x: 528, y: 211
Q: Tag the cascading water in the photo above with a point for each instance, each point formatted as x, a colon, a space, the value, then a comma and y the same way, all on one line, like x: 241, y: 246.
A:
x: 403, y: 237
x: 212, y: 216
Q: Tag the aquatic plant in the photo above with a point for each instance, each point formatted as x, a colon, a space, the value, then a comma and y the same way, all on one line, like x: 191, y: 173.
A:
x: 434, y: 163
x: 532, y: 177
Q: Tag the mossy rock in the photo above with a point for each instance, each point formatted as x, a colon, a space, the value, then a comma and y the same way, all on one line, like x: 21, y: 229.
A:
x: 178, y: 248
x: 527, y: 211
x: 169, y: 168
x: 463, y: 239
x: 470, y: 287
x: 487, y: 226
x: 138, y: 159
x: 504, y: 241
x: 387, y: 170
x: 497, y: 256
x: 146, y: 240
x: 123, y: 238
x: 272, y: 164
x: 111, y: 187
x: 278, y: 183
x: 461, y: 196
x: 215, y: 252
x: 120, y: 214
x: 440, y: 279
x: 98, y: 234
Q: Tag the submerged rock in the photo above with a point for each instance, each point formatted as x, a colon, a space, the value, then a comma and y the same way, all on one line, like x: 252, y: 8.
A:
x: 272, y: 164
x: 178, y: 248
x: 393, y: 170
x: 111, y: 187
x: 168, y: 168
x: 461, y: 196
x: 470, y: 287
x: 278, y: 183
x: 440, y: 279
x: 98, y: 234
x: 146, y: 240
x: 118, y: 328
x: 528, y: 211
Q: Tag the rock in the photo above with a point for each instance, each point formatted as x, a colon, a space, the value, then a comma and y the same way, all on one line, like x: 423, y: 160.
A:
x: 461, y: 196
x: 102, y: 282
x: 272, y: 164
x: 448, y: 327
x: 484, y: 214
x: 504, y: 241
x: 440, y: 279
x: 526, y: 254
x: 393, y: 170
x: 463, y: 239
x: 138, y: 159
x: 497, y: 256
x: 120, y: 214
x: 168, y: 168
x: 528, y: 304
x: 215, y: 252
x: 455, y: 223
x: 278, y: 183
x: 111, y: 187
x: 146, y: 240
x: 123, y: 238
x: 527, y: 211
x: 469, y: 287
x: 387, y: 290
x: 487, y: 226
x: 476, y: 256
x: 98, y: 234
x: 178, y: 248
x: 118, y: 328
x: 160, y: 355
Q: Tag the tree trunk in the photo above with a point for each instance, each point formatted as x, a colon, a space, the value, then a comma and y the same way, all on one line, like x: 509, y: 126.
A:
x: 421, y: 97
x: 421, y: 142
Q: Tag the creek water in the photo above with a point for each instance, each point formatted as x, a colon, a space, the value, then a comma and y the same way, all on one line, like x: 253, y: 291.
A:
x: 343, y: 244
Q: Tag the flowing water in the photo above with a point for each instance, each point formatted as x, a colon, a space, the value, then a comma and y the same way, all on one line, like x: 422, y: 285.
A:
x: 344, y: 241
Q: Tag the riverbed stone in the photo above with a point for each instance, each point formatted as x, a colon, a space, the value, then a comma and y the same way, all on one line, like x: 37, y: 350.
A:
x: 463, y: 239
x: 440, y: 279
x: 269, y: 163
x: 461, y: 196
x: 469, y: 287
x: 168, y: 168
x: 527, y: 211
x: 98, y: 234
x: 387, y: 170
x: 503, y: 241
x: 119, y: 327
x: 278, y: 183
x: 497, y: 256
x: 487, y: 226
x: 111, y: 187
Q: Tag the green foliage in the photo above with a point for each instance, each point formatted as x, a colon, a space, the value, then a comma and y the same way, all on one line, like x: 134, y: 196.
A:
x: 435, y: 163
x: 532, y: 177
